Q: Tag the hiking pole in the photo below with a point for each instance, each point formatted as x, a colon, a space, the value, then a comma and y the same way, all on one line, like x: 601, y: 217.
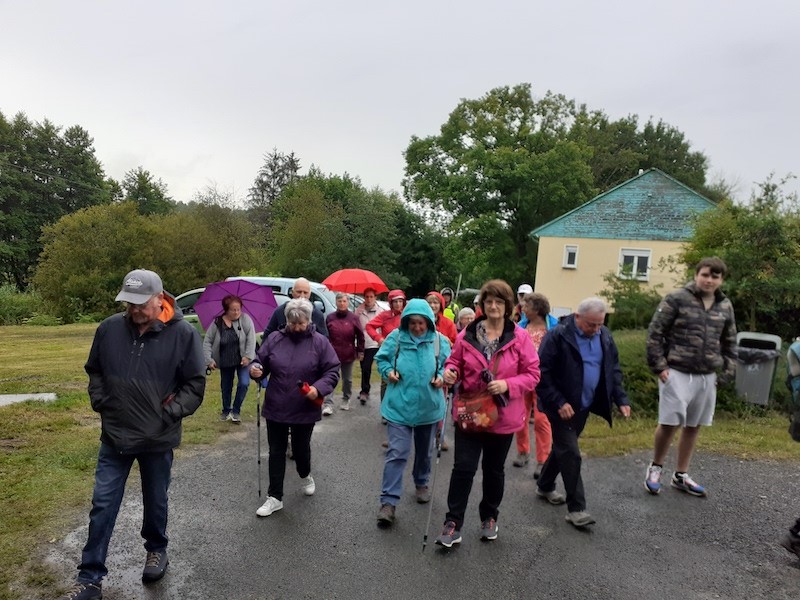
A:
x: 439, y: 441
x: 258, y: 427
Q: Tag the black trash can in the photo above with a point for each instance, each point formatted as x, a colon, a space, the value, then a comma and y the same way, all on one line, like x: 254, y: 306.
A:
x: 755, y: 367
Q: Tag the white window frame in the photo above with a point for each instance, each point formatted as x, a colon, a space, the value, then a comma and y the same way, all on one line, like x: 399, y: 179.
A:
x: 570, y: 248
x: 635, y: 253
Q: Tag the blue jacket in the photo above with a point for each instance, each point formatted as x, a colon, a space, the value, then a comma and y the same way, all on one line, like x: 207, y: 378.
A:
x: 413, y: 400
x: 562, y: 372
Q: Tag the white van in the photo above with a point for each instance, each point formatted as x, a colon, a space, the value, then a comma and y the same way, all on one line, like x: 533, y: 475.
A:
x: 321, y: 296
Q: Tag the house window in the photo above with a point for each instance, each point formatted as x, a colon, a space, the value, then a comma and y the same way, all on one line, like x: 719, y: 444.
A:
x: 634, y: 264
x: 570, y: 257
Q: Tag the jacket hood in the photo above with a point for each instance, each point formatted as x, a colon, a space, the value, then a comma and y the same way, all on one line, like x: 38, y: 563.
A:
x: 441, y: 300
x: 395, y: 294
x: 418, y: 307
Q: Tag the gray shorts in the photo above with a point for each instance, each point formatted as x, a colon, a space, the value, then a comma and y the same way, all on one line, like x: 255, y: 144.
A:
x: 687, y: 399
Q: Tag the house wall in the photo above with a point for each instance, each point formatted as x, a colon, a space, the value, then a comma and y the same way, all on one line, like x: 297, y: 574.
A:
x: 565, y: 288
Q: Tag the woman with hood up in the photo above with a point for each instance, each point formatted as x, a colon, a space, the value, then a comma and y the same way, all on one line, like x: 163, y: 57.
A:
x: 443, y: 325
x: 411, y: 359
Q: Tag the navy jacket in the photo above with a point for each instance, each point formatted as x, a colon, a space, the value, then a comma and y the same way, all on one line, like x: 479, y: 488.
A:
x: 562, y: 372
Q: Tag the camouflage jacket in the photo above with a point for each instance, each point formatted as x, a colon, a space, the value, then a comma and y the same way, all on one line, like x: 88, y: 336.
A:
x: 685, y: 336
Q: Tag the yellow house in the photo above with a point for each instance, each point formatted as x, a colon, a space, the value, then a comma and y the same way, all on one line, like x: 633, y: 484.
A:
x: 629, y: 228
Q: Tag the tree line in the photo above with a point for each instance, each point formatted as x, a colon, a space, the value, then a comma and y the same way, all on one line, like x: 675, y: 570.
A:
x: 500, y: 166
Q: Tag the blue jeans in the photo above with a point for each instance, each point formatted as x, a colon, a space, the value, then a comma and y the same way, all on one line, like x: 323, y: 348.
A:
x: 109, y: 486
x: 226, y: 382
x: 400, y: 438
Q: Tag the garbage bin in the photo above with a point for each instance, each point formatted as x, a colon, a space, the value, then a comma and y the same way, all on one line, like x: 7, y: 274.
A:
x: 755, y: 367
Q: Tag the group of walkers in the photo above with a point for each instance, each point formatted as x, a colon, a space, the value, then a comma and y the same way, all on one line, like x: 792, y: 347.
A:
x: 496, y: 366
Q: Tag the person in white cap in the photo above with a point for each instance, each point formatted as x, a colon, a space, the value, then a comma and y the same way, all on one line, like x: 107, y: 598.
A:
x: 525, y: 288
x: 146, y: 372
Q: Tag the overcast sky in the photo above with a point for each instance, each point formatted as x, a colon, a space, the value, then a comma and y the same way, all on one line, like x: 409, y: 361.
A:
x: 197, y: 92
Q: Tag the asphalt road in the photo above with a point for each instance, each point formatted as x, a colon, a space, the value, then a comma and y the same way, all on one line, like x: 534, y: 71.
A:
x: 328, y: 545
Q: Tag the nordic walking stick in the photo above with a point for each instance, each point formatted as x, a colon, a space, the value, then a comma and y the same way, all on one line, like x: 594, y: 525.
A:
x: 439, y: 441
x: 258, y: 427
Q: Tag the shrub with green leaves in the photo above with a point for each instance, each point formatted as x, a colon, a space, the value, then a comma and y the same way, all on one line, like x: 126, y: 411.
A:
x: 16, y: 306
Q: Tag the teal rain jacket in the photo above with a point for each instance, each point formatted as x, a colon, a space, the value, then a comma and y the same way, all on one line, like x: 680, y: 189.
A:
x: 413, y: 400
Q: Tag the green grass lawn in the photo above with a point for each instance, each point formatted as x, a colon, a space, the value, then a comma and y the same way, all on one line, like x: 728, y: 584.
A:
x: 48, y: 450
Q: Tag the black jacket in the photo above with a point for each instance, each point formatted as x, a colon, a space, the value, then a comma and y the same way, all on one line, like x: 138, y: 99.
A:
x: 562, y: 372
x: 143, y: 385
x: 278, y: 321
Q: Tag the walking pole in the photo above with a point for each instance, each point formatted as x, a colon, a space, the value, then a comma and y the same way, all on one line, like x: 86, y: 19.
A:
x: 439, y: 441
x: 258, y: 427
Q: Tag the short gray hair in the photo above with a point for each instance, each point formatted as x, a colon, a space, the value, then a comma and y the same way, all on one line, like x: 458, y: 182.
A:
x: 466, y: 311
x: 298, y: 309
x: 340, y: 295
x: 593, y: 305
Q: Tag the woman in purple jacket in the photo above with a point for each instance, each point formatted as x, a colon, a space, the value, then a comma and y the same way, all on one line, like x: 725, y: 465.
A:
x: 347, y: 338
x: 491, y: 354
x: 303, y: 369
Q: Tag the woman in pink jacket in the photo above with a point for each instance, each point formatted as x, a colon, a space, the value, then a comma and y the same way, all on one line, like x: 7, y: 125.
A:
x: 494, y: 355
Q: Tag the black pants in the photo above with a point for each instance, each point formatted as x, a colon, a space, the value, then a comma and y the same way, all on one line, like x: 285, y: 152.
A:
x: 565, y: 458
x: 366, y: 368
x: 278, y: 438
x: 468, y: 449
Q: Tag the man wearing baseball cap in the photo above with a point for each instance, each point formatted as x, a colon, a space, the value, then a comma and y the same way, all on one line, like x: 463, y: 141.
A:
x: 146, y: 372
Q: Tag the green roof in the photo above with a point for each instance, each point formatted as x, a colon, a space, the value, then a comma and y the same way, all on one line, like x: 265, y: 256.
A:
x: 650, y: 206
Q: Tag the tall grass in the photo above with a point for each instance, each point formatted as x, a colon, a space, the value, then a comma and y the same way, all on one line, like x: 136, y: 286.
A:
x: 16, y: 306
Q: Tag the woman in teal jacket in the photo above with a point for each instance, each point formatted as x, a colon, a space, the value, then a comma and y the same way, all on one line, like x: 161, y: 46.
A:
x: 411, y: 359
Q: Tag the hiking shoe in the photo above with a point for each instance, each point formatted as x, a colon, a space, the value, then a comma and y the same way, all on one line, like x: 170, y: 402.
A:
x: 225, y: 417
x: 552, y: 497
x: 363, y: 397
x: 791, y: 541
x: 269, y: 507
x: 445, y: 446
x: 423, y: 494
x: 450, y: 535
x: 537, y: 472
x: 155, y: 566
x: 345, y: 405
x: 686, y: 484
x: 235, y: 418
x: 327, y: 410
x: 84, y: 591
x: 489, y: 530
x: 386, y: 515
x: 579, y: 518
x: 309, y: 487
x: 653, y: 481
x: 522, y: 459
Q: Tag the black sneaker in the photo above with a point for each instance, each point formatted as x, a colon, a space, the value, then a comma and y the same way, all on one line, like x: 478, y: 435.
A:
x: 155, y: 566
x: 84, y: 591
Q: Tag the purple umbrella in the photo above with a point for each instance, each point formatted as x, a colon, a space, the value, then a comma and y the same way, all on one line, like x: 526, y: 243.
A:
x: 257, y: 301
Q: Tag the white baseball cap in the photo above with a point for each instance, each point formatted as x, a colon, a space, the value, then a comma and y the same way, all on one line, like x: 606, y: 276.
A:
x: 525, y: 288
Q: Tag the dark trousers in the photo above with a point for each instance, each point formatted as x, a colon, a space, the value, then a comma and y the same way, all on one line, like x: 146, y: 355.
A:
x: 467, y: 453
x: 565, y: 458
x: 110, y: 476
x: 366, y: 368
x: 278, y: 440
x: 226, y: 375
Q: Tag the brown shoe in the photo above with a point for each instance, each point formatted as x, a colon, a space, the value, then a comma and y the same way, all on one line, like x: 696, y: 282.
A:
x: 385, y: 444
x: 423, y: 494
x: 386, y: 515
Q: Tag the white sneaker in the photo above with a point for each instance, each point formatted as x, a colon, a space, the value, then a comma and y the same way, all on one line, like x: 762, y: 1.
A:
x: 308, y: 486
x: 327, y: 410
x: 345, y: 405
x: 269, y: 507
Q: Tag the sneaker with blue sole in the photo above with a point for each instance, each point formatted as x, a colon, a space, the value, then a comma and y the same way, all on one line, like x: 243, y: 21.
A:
x: 686, y: 484
x: 652, y: 482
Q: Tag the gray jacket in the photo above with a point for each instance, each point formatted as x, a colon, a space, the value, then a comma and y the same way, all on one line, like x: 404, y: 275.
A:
x: 246, y: 333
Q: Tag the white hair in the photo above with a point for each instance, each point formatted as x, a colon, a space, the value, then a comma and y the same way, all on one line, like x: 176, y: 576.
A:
x: 593, y: 305
x: 298, y: 309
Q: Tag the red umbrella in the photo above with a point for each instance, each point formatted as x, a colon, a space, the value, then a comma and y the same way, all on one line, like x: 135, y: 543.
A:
x: 354, y: 281
x: 257, y: 301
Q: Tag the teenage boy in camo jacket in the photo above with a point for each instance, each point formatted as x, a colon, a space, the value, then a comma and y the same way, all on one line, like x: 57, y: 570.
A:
x: 691, y: 338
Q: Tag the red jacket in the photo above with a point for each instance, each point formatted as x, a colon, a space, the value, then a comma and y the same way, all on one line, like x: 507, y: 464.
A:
x: 382, y: 325
x: 444, y: 325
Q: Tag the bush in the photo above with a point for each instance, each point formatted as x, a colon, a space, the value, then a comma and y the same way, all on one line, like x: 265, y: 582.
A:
x: 42, y: 320
x: 16, y: 306
x: 633, y: 302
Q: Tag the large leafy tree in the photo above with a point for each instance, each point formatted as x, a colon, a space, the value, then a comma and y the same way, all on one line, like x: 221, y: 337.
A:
x: 44, y: 174
x: 505, y: 160
x: 760, y: 243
